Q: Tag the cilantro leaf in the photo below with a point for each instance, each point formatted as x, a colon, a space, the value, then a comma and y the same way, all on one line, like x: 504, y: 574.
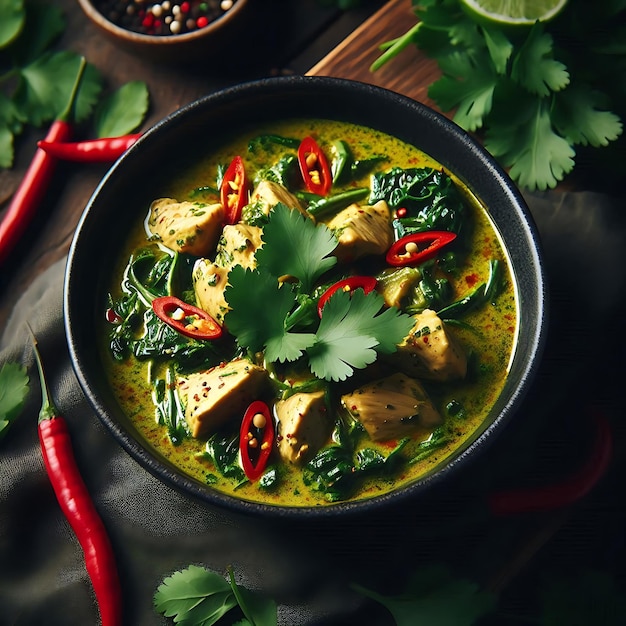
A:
x: 578, y: 118
x: 44, y: 24
x: 6, y: 147
x: 14, y: 386
x: 350, y: 332
x: 500, y: 48
x: 468, y: 83
x: 434, y: 596
x: 257, y: 609
x: 194, y: 596
x: 296, y: 246
x: 46, y: 84
x: 535, y: 68
x: 528, y: 144
x: 263, y: 326
x: 12, y: 22
x: 122, y: 111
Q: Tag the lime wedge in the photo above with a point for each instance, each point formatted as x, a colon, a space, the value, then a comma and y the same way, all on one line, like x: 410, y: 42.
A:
x: 513, y: 12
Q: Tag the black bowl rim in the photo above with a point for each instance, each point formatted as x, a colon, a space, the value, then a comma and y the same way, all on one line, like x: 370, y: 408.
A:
x: 185, y: 484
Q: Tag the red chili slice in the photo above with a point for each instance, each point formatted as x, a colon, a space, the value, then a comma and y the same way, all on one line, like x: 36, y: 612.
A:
x: 367, y: 283
x: 185, y: 318
x: 256, y: 439
x: 418, y: 247
x: 314, y: 167
x: 234, y: 190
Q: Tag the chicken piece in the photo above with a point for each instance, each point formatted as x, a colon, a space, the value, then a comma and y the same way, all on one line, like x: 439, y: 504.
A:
x: 214, y: 396
x: 209, y: 283
x: 430, y: 351
x: 304, y: 426
x: 267, y: 194
x: 189, y: 227
x: 237, y: 245
x: 362, y: 231
x: 393, y: 407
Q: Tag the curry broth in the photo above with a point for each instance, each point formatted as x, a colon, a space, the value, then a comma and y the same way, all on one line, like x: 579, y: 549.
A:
x: 491, y: 337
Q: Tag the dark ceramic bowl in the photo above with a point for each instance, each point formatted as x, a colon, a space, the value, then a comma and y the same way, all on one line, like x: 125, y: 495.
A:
x: 132, y: 180
x: 175, y: 48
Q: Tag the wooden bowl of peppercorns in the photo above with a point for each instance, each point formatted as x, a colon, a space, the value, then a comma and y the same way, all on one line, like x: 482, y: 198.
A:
x: 167, y: 30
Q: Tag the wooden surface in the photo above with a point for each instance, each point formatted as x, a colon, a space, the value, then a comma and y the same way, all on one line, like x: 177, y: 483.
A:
x: 410, y: 73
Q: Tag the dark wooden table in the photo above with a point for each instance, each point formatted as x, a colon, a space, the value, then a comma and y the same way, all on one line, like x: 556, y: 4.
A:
x: 306, y: 38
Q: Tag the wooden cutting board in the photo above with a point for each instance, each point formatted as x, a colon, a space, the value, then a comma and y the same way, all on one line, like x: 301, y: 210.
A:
x: 410, y: 73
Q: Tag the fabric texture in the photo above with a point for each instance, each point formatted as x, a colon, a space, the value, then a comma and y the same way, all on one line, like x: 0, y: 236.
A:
x: 306, y: 567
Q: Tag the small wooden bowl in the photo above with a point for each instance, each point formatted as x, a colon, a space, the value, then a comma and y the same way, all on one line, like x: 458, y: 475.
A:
x: 175, y: 48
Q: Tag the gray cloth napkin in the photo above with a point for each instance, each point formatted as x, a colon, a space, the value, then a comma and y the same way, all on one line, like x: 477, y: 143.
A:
x: 305, y: 567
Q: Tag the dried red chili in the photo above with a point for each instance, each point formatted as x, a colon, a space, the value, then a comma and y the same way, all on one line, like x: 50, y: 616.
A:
x: 186, y: 319
x: 77, y: 505
x: 417, y: 248
x: 256, y: 438
x: 34, y: 185
x: 102, y: 150
x: 569, y: 490
x: 314, y: 167
x: 367, y: 283
x: 234, y: 190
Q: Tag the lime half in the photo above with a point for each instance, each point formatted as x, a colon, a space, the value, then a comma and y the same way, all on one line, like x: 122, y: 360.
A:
x: 513, y: 12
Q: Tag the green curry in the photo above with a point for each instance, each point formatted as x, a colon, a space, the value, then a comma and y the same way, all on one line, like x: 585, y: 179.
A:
x: 334, y: 279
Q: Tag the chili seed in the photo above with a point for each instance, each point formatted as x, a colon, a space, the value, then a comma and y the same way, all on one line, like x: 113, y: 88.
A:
x: 259, y: 420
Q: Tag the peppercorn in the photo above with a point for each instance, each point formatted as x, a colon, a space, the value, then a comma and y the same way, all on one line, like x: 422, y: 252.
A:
x: 165, y: 18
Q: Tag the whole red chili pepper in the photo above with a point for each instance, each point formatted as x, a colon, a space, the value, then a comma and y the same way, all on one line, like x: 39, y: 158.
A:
x: 367, y: 283
x: 77, y: 505
x: 32, y: 189
x: 566, y: 492
x: 314, y: 167
x: 186, y: 319
x: 102, y: 150
x: 234, y: 190
x: 417, y: 248
x: 256, y: 438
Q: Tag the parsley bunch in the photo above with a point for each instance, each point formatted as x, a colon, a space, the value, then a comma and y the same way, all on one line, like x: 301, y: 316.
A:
x: 537, y: 95
x: 35, y: 79
x: 274, y: 316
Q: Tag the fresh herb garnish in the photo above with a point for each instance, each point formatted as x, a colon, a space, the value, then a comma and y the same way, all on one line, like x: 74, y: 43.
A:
x: 13, y: 390
x: 35, y: 79
x: 434, y: 596
x: 352, y: 328
x: 197, y: 596
x: 537, y: 94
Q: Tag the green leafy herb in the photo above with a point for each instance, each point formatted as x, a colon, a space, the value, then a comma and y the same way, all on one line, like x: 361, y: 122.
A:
x: 434, y: 596
x: 197, y: 596
x: 13, y: 390
x: 536, y: 94
x: 295, y: 246
x: 352, y: 329
x: 122, y: 111
x: 35, y: 79
x: 13, y: 19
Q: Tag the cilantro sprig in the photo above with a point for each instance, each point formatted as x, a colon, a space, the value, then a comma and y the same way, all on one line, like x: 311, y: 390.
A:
x: 537, y: 96
x: 35, y: 79
x: 197, y: 596
x: 263, y: 303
